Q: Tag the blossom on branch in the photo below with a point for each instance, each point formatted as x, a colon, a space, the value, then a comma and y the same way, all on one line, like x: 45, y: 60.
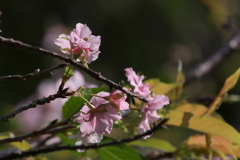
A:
x: 117, y: 99
x: 155, y: 102
x: 97, y: 117
x: 149, y: 112
x: 80, y: 43
x: 140, y: 88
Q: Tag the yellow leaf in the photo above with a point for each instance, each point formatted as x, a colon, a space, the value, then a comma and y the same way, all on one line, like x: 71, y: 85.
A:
x: 172, y: 90
x: 196, y: 109
x: 205, y: 124
x: 24, y: 145
x: 229, y: 84
x: 217, y: 143
x: 180, y: 77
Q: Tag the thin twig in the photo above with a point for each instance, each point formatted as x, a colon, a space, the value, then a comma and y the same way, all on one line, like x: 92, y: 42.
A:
x: 96, y: 75
x: 54, y: 148
x: 208, y: 65
x: 49, y: 129
x: 37, y: 72
x: 33, y: 104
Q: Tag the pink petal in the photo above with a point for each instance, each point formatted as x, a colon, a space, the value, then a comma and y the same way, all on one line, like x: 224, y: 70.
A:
x: 158, y: 102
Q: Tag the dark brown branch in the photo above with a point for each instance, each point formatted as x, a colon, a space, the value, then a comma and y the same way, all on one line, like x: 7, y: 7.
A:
x: 96, y: 75
x: 37, y: 72
x: 33, y: 152
x: 33, y: 104
x: 206, y: 66
x: 52, y: 128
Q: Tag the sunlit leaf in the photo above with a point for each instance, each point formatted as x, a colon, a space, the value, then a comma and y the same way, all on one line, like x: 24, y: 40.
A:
x: 205, y: 124
x: 229, y: 84
x: 169, y: 89
x: 196, y: 109
x: 23, y: 145
x: 180, y: 77
x: 219, y: 144
x: 155, y: 143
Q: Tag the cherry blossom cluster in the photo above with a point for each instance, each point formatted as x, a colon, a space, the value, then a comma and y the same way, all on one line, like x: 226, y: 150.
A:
x: 155, y: 102
x: 80, y: 43
x: 98, y: 115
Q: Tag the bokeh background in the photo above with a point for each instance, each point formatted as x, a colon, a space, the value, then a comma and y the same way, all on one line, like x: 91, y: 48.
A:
x: 148, y: 35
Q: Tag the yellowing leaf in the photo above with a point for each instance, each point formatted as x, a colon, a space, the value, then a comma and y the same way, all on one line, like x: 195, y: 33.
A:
x: 205, y: 124
x: 196, y: 109
x: 180, y: 77
x: 217, y: 143
x: 155, y: 143
x: 23, y: 146
x: 169, y: 89
x: 229, y: 84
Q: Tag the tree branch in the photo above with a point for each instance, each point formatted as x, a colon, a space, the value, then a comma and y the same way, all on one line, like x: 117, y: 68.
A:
x: 34, y: 103
x: 206, y: 66
x: 96, y: 75
x: 52, y: 128
x: 37, y: 72
x: 33, y: 152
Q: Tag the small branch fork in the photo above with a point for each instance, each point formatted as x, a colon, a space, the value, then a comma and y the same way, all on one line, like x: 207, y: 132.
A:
x: 37, y: 72
x: 33, y: 104
x: 47, y: 149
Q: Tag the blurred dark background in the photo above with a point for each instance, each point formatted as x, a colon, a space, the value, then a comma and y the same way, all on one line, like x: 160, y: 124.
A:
x: 148, y: 35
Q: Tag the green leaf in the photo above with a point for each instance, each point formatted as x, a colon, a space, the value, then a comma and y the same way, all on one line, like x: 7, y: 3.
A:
x: 74, y: 104
x: 229, y: 84
x: 205, y: 124
x: 155, y: 143
x: 68, y: 73
x: 118, y: 152
x: 66, y: 140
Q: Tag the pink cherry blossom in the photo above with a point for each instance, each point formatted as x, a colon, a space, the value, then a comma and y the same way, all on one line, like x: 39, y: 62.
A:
x: 80, y: 41
x: 140, y: 88
x: 118, y: 100
x: 149, y: 112
x: 99, y: 119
